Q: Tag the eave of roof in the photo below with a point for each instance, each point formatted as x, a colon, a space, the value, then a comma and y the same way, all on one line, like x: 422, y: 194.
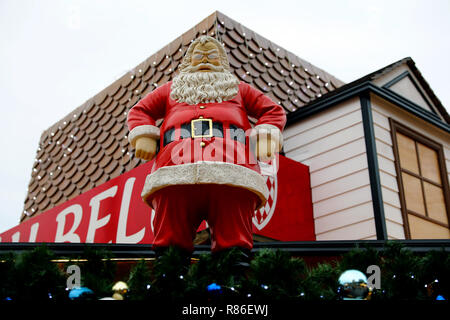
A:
x: 365, y: 84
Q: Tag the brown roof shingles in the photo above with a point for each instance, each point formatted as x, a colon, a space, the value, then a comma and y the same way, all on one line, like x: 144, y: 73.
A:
x: 89, y: 146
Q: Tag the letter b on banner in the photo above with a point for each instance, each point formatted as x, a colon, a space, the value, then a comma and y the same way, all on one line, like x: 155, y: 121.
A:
x: 74, y: 280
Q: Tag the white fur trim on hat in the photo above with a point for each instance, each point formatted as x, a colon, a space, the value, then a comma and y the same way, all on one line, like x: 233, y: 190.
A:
x: 270, y: 131
x: 143, y: 131
x: 207, y: 172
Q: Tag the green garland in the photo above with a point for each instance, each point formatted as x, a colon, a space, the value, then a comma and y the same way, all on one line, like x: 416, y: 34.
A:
x: 273, y: 274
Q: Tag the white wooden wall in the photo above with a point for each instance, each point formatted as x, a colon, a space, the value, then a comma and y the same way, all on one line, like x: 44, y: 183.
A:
x: 332, y: 144
x: 382, y: 111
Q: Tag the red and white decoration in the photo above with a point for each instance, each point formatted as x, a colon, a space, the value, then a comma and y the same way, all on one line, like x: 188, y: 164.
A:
x: 115, y: 213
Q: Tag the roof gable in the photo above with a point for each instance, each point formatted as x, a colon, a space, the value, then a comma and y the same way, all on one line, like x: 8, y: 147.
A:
x: 89, y: 146
x: 385, y: 79
x: 404, y: 79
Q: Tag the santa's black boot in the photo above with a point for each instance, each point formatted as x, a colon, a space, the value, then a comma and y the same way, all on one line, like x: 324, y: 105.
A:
x: 236, y: 260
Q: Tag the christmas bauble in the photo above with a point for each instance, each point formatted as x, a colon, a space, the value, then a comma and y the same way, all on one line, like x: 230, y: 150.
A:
x: 214, y: 287
x: 120, y: 289
x: 353, y: 285
x: 81, y: 293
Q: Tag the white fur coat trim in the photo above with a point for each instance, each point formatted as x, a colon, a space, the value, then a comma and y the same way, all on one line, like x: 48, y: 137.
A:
x: 143, y: 131
x: 207, y: 172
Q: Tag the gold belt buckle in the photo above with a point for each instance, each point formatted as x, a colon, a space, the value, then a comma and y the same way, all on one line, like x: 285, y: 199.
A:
x: 193, y: 135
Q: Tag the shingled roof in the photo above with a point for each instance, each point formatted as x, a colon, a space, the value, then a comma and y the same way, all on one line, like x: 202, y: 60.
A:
x: 89, y: 146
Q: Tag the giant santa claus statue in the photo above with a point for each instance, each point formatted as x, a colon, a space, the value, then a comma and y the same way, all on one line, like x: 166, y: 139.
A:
x: 206, y: 167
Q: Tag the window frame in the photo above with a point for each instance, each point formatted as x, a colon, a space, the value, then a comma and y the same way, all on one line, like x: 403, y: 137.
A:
x: 397, y: 127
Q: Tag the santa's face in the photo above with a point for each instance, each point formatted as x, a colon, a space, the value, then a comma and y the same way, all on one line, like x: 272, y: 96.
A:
x: 204, y: 76
x: 205, y: 57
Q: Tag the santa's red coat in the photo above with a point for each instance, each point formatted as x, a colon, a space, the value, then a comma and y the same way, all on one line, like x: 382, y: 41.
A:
x: 216, y: 160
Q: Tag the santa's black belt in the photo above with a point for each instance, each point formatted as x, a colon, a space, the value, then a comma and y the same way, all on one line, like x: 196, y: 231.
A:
x: 204, y: 128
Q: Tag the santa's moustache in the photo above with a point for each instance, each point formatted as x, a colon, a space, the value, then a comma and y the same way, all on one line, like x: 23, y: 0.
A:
x: 193, y: 86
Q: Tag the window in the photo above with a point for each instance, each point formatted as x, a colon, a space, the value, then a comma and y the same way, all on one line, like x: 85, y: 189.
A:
x: 423, y: 184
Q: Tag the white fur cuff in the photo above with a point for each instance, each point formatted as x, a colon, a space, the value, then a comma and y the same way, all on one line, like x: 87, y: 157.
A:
x: 270, y: 131
x: 143, y: 131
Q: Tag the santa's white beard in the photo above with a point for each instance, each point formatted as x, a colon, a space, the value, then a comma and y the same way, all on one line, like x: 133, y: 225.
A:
x: 204, y: 87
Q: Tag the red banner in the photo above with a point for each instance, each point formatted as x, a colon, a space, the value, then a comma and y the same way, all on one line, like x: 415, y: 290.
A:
x: 115, y: 213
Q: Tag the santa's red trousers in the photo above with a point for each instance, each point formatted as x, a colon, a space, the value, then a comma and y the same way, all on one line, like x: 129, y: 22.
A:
x: 180, y: 209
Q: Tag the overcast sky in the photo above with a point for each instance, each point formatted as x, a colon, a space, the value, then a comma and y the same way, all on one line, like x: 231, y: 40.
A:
x: 55, y: 55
